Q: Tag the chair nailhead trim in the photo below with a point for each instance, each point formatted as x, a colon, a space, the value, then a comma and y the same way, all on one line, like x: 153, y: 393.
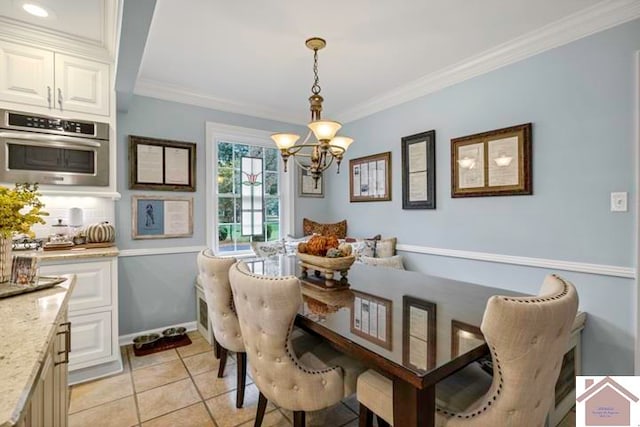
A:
x: 494, y: 356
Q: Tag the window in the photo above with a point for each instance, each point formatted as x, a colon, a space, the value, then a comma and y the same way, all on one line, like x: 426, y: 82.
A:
x: 247, y: 192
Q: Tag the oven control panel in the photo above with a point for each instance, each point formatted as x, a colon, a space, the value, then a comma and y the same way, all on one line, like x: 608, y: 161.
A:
x: 49, y: 123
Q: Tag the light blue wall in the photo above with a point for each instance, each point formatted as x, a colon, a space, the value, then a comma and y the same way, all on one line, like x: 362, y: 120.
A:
x: 157, y: 290
x: 580, y: 99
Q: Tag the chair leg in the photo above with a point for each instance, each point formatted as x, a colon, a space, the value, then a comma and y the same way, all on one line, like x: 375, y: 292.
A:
x: 381, y: 422
x: 262, y: 406
x: 223, y: 361
x: 298, y: 419
x: 242, y: 378
x: 216, y: 347
x: 366, y: 417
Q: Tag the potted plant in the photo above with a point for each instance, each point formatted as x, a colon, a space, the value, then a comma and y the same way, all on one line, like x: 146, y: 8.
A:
x: 20, y: 208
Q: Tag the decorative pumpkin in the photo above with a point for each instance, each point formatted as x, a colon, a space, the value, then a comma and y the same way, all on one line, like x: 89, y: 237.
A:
x: 100, y: 232
x: 334, y: 253
x: 302, y: 248
x: 346, y: 249
x: 318, y: 245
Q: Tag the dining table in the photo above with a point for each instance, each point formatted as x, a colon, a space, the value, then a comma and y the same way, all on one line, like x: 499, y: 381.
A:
x: 426, y: 327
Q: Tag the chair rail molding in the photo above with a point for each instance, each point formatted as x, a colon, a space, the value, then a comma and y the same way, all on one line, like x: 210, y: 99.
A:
x: 580, y: 267
x: 160, y: 251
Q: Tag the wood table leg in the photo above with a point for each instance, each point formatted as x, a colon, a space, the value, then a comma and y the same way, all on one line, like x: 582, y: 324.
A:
x: 413, y: 407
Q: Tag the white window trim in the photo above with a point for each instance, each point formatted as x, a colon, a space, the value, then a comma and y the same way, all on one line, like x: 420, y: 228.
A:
x: 216, y: 132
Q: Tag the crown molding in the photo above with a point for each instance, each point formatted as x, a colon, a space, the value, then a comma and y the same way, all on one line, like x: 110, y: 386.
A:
x: 175, y: 93
x: 103, y: 49
x: 589, y: 21
x: 111, y: 10
x: 551, y: 264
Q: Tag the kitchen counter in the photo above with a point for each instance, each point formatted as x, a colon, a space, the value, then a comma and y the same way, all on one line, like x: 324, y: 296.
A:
x: 71, y: 254
x: 30, y: 322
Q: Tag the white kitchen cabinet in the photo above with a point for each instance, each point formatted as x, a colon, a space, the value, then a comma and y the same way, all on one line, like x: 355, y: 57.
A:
x: 49, y: 401
x: 81, y: 85
x: 93, y: 312
x: 26, y: 75
x: 49, y: 79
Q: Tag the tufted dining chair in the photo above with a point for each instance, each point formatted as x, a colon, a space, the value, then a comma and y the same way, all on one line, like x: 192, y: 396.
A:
x: 267, y: 307
x: 527, y: 338
x: 213, y: 272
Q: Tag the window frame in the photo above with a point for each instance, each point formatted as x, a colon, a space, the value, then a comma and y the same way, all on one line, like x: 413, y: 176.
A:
x: 219, y: 132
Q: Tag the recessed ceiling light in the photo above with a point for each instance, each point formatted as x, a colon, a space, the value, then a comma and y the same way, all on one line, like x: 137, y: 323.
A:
x: 35, y: 10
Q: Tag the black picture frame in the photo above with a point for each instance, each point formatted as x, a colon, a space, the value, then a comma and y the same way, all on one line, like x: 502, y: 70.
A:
x: 417, y: 194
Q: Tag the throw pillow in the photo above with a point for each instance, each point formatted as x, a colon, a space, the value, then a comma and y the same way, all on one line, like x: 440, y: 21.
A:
x: 338, y: 229
x: 386, y: 248
x: 365, y: 247
x: 390, y: 262
x: 268, y: 249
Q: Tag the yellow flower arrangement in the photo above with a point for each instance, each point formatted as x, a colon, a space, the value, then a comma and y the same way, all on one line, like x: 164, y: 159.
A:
x: 20, y: 208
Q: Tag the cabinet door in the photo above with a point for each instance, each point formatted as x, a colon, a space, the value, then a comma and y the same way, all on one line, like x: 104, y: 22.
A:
x: 81, y: 85
x: 90, y: 338
x: 26, y: 75
x: 93, y: 283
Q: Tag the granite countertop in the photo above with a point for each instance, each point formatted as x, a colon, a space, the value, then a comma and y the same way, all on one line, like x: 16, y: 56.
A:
x: 30, y: 323
x: 71, y: 254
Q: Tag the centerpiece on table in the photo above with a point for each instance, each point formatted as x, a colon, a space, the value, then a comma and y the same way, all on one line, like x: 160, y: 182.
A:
x: 20, y: 208
x: 325, y: 255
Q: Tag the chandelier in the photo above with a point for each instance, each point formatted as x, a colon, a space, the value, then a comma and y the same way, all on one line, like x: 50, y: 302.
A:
x: 314, y: 156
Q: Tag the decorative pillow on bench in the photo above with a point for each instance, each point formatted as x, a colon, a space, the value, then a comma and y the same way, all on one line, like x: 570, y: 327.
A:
x: 339, y: 229
x: 389, y: 262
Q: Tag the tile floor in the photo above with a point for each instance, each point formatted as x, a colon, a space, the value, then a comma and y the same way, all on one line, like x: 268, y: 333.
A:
x: 180, y: 388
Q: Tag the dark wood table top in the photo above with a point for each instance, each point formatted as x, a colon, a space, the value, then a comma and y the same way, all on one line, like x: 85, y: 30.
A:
x: 456, y: 301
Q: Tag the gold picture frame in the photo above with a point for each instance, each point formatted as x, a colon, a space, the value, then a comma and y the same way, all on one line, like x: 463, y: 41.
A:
x: 494, y: 163
x: 160, y: 217
x: 370, y: 178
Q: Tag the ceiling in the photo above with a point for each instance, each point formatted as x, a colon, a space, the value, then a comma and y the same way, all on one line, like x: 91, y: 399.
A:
x: 81, y: 19
x: 250, y: 56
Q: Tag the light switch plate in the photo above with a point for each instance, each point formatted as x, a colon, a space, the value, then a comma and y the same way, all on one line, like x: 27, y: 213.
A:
x: 619, y: 202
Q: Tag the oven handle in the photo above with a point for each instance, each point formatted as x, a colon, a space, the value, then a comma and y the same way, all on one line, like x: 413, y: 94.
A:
x: 51, y: 138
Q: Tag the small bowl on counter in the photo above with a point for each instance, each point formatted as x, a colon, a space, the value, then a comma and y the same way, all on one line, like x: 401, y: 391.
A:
x: 174, y: 333
x: 141, y: 340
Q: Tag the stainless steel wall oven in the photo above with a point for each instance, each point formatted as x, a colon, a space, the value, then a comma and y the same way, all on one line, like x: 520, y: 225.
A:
x: 50, y: 150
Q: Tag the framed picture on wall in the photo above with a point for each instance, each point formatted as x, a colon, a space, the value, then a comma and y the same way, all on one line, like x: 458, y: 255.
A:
x: 370, y: 178
x: 307, y: 187
x: 419, y: 171
x: 161, y: 164
x: 158, y: 217
x: 494, y: 163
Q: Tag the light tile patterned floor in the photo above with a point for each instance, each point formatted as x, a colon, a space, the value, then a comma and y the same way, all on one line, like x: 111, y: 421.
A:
x: 180, y: 388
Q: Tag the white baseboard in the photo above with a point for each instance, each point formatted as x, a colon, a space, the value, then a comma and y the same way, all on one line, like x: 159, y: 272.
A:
x: 128, y: 339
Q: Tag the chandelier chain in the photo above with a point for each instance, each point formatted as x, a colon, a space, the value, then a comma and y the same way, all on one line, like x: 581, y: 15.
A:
x: 315, y: 89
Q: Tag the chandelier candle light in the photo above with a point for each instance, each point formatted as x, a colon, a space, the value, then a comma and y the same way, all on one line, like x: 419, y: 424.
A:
x: 328, y: 147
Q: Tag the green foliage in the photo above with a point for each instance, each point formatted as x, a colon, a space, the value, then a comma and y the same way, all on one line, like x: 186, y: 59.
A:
x: 20, y: 208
